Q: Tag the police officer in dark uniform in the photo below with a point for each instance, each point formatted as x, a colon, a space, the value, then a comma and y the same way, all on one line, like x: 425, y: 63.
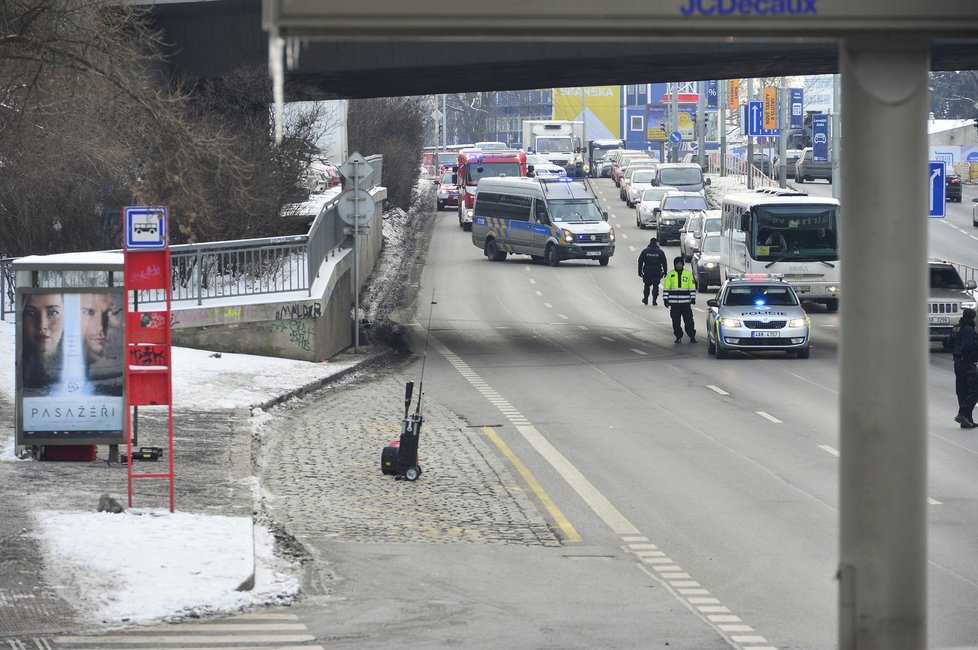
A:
x: 965, y: 370
x: 651, y: 268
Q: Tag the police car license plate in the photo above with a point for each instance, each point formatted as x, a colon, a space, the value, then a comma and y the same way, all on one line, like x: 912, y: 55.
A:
x: 765, y: 335
x: 939, y: 320
x: 593, y: 253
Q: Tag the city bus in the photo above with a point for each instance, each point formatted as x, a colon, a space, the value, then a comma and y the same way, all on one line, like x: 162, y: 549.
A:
x: 787, y: 233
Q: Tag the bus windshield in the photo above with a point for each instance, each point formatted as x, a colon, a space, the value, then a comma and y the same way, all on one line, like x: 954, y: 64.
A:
x: 577, y: 210
x: 491, y: 169
x: 784, y: 233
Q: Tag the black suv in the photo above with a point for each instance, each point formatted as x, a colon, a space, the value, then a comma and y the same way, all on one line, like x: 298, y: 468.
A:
x: 949, y: 296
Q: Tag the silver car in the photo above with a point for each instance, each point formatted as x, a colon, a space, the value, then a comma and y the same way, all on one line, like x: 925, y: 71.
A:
x: 647, y: 210
x: 757, y: 313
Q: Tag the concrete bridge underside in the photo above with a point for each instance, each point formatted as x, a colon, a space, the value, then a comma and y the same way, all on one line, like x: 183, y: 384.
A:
x: 212, y: 38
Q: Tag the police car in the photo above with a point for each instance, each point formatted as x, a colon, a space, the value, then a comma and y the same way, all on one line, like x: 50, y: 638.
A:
x: 757, y: 312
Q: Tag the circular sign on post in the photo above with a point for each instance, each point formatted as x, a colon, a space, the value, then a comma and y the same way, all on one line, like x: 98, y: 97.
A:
x: 675, y: 137
x: 356, y: 207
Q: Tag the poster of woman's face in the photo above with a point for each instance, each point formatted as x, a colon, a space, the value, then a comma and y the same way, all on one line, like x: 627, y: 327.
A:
x: 71, y: 364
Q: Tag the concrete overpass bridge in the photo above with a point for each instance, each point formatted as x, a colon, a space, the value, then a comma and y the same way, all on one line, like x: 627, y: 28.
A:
x: 212, y: 37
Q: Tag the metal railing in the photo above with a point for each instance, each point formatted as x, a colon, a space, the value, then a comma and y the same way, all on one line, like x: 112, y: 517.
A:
x: 737, y: 166
x: 246, y: 267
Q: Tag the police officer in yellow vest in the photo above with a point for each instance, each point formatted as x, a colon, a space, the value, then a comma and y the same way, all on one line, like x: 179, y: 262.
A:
x: 679, y: 295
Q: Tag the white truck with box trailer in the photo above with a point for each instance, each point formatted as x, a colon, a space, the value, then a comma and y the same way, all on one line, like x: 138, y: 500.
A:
x: 559, y: 141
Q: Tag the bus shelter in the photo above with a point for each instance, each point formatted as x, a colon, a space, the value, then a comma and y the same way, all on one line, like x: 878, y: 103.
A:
x: 70, y: 345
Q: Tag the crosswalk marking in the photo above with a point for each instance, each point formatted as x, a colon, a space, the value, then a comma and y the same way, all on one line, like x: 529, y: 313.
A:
x: 254, y: 631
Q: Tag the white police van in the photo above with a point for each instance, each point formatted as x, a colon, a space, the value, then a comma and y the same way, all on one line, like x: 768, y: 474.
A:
x: 550, y: 219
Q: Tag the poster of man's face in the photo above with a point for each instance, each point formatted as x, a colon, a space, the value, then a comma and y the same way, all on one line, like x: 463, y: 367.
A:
x: 71, y: 363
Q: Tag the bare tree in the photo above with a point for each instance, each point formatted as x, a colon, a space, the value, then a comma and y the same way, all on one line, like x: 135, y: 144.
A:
x: 87, y: 126
x: 396, y: 128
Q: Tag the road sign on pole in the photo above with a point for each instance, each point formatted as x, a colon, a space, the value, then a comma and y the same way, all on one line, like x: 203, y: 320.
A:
x: 356, y: 207
x: 675, y: 137
x: 356, y: 169
x: 770, y: 109
x: 754, y: 119
x: 937, y: 177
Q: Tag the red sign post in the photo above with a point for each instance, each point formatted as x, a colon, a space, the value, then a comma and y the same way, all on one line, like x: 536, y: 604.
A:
x: 149, y: 379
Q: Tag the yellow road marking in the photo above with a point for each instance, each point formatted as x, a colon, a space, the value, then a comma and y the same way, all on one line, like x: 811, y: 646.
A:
x: 570, y: 533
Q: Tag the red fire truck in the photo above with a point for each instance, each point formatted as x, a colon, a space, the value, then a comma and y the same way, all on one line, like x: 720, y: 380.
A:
x: 475, y: 164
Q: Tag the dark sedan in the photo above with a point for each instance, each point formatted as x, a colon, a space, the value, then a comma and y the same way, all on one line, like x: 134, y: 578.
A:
x: 706, y: 263
x: 952, y: 186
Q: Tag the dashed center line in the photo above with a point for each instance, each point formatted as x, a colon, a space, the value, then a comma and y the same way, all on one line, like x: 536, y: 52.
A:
x: 717, y: 389
x: 831, y: 450
x: 548, y: 305
x: 538, y: 292
x: 637, y: 351
x: 769, y: 417
x: 608, y: 338
x: 532, y: 281
x: 562, y: 316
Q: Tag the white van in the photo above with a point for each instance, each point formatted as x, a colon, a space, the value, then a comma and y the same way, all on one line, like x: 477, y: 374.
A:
x: 687, y: 177
x: 550, y: 219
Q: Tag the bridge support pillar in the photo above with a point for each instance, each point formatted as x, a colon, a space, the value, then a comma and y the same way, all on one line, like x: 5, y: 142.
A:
x: 884, y: 354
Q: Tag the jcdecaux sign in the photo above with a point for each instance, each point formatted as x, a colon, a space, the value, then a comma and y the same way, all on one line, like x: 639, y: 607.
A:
x: 748, y: 7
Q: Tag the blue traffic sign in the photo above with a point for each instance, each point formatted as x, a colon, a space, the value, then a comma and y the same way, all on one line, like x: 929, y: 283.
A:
x: 754, y: 118
x: 145, y: 228
x: 820, y: 138
x: 797, y: 108
x: 936, y: 179
x: 676, y: 137
x: 711, y: 94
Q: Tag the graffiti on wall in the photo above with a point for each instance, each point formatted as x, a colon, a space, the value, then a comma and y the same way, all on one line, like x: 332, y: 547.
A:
x: 300, y: 334
x: 233, y: 315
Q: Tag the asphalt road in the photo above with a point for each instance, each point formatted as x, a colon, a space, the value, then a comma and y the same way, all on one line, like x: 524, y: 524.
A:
x: 727, y: 467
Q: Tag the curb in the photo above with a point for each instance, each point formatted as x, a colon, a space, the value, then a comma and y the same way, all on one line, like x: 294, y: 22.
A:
x: 369, y: 361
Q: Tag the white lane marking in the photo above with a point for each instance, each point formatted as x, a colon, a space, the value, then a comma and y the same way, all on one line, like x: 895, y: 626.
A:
x: 637, y: 351
x: 624, y: 235
x: 608, y: 338
x: 189, y: 639
x: 538, y: 292
x: 831, y: 450
x: 582, y: 327
x: 724, y: 618
x: 631, y: 248
x: 532, y: 281
x: 934, y: 502
x: 526, y: 268
x: 717, y: 389
x: 648, y: 553
x: 713, y: 609
x: 548, y: 305
x: 562, y: 316
x: 769, y: 417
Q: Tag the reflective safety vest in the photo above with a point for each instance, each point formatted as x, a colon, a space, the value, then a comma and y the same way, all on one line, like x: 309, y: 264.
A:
x: 679, y: 289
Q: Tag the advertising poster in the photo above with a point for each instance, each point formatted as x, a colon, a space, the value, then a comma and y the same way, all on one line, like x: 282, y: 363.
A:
x: 797, y: 108
x: 70, y: 366
x: 820, y: 138
x: 712, y: 91
x: 603, y: 119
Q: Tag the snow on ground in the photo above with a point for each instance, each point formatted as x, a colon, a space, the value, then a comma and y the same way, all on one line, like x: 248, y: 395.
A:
x: 187, y: 564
